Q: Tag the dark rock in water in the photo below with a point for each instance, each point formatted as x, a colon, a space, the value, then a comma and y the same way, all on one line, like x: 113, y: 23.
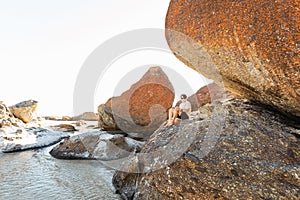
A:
x: 142, y: 108
x: 70, y: 149
x: 240, y: 151
x: 250, y: 46
x: 96, y: 145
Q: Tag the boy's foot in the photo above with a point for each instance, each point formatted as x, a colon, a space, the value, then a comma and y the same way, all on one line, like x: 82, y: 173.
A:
x: 169, y: 123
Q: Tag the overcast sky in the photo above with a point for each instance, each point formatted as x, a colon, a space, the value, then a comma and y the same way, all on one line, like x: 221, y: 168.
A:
x: 44, y: 44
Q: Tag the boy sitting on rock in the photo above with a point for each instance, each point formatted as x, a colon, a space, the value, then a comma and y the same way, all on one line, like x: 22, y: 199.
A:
x: 180, y: 112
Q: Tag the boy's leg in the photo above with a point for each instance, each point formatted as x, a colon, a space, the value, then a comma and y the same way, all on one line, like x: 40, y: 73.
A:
x: 171, y: 118
x: 171, y: 113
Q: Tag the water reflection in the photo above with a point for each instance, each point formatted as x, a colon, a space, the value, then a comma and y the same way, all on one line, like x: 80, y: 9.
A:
x: 37, y: 175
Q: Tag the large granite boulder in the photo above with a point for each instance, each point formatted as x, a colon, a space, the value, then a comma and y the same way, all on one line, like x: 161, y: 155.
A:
x: 142, y: 108
x: 241, y: 151
x: 25, y: 110
x: 250, y: 46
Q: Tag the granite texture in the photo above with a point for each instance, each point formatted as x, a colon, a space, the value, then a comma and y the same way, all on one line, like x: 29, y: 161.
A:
x: 251, y: 153
x: 249, y: 46
x: 142, y: 108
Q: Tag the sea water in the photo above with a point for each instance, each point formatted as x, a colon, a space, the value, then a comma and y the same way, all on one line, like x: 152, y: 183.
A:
x: 35, y: 174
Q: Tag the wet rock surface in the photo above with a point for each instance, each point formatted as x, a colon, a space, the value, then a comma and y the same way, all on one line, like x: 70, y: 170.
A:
x: 14, y: 139
x: 241, y: 150
x: 96, y: 145
x: 142, y: 108
x: 250, y: 46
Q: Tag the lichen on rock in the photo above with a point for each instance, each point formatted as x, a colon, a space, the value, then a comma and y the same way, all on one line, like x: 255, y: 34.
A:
x: 142, y: 108
x: 250, y: 46
x: 255, y: 155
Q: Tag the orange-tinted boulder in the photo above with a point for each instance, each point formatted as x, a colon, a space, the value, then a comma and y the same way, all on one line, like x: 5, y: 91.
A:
x: 142, y: 108
x: 250, y: 46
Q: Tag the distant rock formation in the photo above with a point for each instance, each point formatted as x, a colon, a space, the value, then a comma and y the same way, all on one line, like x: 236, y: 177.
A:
x: 53, y: 118
x: 142, y: 108
x: 240, y: 151
x: 96, y: 145
x: 86, y: 116
x: 63, y: 128
x: 25, y: 110
x: 250, y: 46
x: 59, y: 118
x: 66, y: 118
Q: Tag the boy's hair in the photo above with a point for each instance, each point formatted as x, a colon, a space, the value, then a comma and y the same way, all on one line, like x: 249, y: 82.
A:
x: 183, y: 96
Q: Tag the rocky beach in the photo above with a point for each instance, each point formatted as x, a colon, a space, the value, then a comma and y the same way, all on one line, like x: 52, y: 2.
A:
x: 28, y: 168
x: 242, y: 140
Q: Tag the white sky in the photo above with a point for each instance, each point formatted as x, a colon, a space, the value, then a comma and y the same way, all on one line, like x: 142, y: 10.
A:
x: 44, y: 43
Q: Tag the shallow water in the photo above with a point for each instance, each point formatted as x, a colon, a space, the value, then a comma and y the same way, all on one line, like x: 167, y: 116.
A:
x: 35, y: 174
